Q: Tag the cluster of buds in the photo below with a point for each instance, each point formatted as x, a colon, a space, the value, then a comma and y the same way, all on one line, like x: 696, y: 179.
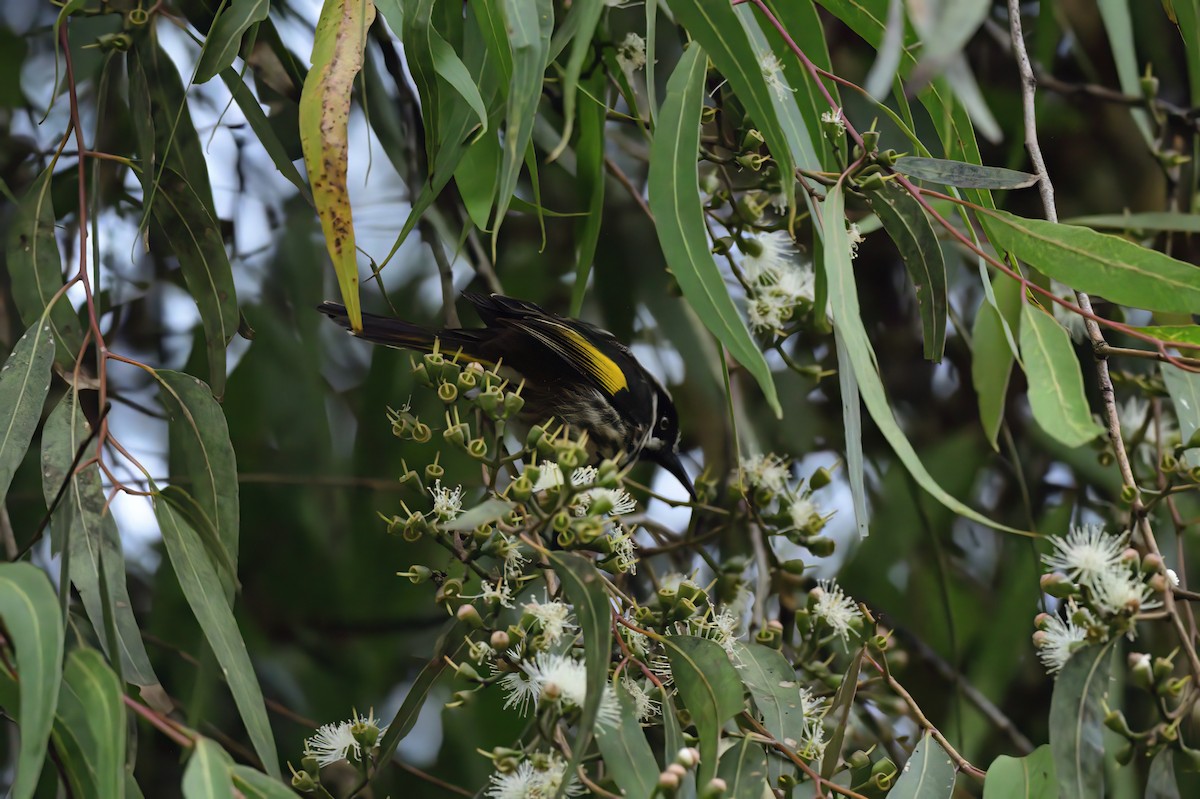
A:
x: 1156, y: 676
x: 782, y: 508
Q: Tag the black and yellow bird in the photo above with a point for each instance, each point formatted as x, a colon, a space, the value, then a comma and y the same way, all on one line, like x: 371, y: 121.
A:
x: 573, y: 371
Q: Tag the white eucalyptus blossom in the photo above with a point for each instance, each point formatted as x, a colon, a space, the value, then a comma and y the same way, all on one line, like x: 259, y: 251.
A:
x: 1086, y: 552
x: 447, y: 502
x: 835, y: 609
x: 631, y: 52
x: 772, y: 72
x: 1056, y: 641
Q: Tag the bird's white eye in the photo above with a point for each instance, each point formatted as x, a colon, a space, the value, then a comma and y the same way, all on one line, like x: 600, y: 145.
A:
x: 662, y: 423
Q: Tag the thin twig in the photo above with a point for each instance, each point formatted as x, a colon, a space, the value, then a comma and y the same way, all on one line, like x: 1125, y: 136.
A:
x: 927, y: 725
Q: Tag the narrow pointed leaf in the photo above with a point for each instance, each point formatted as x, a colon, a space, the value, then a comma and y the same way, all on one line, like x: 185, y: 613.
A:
x: 852, y: 426
x: 843, y: 297
x: 94, y: 544
x: 585, y: 588
x: 590, y: 182
x: 718, y: 28
x: 196, y: 240
x: 1029, y: 777
x: 24, y: 383
x: 1099, y: 263
x: 29, y: 610
x: 675, y: 202
x: 1055, y: 382
x: 224, y: 38
x: 928, y: 774
x: 35, y: 269
x: 90, y: 702
x: 905, y: 222
x: 266, y: 135
x: 839, y: 711
x: 337, y: 57
x: 529, y: 25
x: 993, y: 354
x: 584, y: 16
x: 205, y: 594
x: 710, y: 688
x: 963, y: 175
x: 1077, y: 709
x: 627, y: 755
x: 199, y: 432
x: 449, y: 644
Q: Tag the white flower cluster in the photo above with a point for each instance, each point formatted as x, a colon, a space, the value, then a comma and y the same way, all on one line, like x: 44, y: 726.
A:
x: 1111, y: 588
x: 560, y: 679
x: 335, y: 742
x: 836, y: 610
x: 540, y: 776
x: 772, y: 474
x: 777, y: 285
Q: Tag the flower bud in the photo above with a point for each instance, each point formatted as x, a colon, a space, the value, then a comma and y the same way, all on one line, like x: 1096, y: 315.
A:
x: 500, y: 640
x: 715, y: 789
x: 1141, y: 673
x: 688, y: 757
x: 794, y: 566
x: 820, y: 547
x: 470, y: 615
x: 858, y: 759
x: 820, y: 478
x: 1057, y: 585
x: 668, y: 781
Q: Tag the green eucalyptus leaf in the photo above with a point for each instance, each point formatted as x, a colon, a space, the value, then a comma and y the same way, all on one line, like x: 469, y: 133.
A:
x: 928, y: 774
x: 1077, y: 709
x: 675, y: 202
x: 963, y: 175
x: 1098, y: 263
x: 710, y: 688
x: 1029, y: 777
x: 1056, y: 392
x: 34, y: 626
x: 224, y: 38
x: 24, y: 383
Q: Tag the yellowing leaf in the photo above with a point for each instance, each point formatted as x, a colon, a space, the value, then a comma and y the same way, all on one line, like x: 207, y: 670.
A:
x: 337, y: 58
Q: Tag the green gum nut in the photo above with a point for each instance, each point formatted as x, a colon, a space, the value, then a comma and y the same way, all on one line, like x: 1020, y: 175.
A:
x: 467, y: 380
x: 434, y: 471
x: 447, y: 392
x: 422, y: 433
x: 489, y: 401
x: 478, y: 449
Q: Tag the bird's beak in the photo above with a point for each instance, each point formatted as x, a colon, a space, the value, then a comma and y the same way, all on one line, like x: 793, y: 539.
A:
x: 669, y: 460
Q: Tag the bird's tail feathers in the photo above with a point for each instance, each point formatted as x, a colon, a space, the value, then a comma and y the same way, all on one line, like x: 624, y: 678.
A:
x: 392, y: 332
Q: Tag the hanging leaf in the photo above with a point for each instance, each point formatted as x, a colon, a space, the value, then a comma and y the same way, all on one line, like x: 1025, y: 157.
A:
x: 205, y: 595
x: 1184, y: 388
x: 1077, y: 709
x: 1055, y: 383
x: 35, y: 269
x: 843, y: 297
x: 29, y: 610
x: 24, y: 383
x: 710, y: 688
x: 199, y: 433
x: 224, y: 38
x: 627, y: 755
x: 1144, y: 222
x: 92, y: 713
x: 905, y: 222
x: 585, y: 588
x: 1161, y: 782
x: 337, y: 57
x: 255, y: 785
x: 675, y: 202
x: 993, y: 351
x: 195, y: 238
x: 529, y: 25
x: 773, y: 686
x: 83, y: 527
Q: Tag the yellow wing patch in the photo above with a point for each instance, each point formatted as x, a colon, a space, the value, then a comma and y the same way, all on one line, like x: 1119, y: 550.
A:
x: 595, y: 362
